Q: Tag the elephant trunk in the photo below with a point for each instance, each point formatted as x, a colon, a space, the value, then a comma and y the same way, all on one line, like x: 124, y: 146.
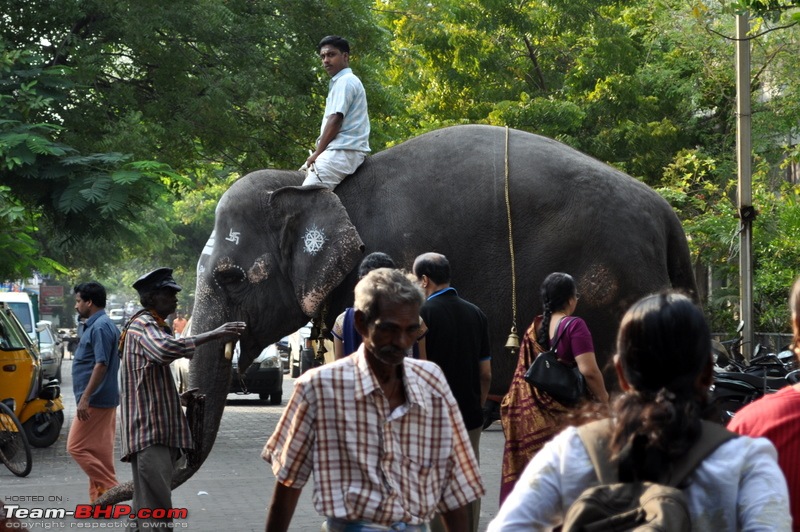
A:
x: 210, y: 373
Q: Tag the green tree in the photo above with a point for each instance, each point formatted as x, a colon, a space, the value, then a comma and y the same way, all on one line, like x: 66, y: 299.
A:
x: 95, y: 88
x: 599, y: 75
x: 54, y: 196
x: 231, y: 82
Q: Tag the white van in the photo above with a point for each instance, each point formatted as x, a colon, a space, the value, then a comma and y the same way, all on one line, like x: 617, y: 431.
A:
x: 22, y: 306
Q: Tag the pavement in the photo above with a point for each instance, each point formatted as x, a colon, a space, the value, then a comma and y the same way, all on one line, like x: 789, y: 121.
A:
x: 231, y: 491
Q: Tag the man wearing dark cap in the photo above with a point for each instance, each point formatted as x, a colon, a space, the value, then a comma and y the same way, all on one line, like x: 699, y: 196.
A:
x: 154, y: 428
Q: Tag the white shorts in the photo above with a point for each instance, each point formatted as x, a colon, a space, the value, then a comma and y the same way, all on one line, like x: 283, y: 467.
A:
x: 332, y: 166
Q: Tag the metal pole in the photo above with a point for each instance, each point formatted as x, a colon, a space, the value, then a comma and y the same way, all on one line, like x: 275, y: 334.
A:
x: 745, y: 196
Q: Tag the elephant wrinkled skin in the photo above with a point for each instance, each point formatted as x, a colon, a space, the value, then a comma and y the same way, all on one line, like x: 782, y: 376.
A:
x: 279, y: 255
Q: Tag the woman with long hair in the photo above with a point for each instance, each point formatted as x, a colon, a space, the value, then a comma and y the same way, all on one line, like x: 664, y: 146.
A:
x: 531, y: 417
x: 664, y: 367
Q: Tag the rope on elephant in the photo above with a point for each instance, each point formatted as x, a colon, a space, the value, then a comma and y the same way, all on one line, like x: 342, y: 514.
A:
x: 513, y: 338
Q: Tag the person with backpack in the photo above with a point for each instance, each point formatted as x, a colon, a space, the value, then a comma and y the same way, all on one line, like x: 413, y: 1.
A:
x: 652, y: 441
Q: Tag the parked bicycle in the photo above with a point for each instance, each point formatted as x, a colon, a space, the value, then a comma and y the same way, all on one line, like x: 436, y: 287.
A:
x: 15, y: 451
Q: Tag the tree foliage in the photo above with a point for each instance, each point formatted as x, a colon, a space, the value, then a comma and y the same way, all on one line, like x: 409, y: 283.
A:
x: 95, y: 92
x: 57, y: 199
x: 123, y: 122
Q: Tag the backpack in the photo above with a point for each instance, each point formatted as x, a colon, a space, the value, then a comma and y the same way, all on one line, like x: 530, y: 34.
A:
x: 615, y: 505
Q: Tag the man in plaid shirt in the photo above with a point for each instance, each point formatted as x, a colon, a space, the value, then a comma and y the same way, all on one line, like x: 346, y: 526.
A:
x: 381, y: 433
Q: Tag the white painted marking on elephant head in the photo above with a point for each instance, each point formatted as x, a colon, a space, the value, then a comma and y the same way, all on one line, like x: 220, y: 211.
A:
x: 224, y: 266
x: 209, y: 247
x: 314, y: 240
x: 233, y: 236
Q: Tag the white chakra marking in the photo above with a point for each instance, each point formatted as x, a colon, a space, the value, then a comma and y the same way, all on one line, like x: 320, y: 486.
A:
x: 313, y: 240
x: 233, y: 236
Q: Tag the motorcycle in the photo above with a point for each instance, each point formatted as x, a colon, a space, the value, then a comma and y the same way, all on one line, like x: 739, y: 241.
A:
x: 38, y: 406
x: 738, y: 383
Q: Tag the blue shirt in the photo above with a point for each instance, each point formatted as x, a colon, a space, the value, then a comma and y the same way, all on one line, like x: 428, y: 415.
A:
x: 346, y: 95
x: 98, y: 345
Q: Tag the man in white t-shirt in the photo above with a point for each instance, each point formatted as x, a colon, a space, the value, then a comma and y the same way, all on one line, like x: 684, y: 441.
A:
x: 343, y: 142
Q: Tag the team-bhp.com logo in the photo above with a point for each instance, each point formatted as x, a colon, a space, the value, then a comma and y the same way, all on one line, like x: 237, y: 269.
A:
x: 87, y: 511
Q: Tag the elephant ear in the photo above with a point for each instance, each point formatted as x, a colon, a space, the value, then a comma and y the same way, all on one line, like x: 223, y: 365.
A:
x: 319, y: 244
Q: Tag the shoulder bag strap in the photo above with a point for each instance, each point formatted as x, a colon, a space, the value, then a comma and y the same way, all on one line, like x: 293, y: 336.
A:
x: 558, y: 337
x: 127, y: 326
x: 713, y: 436
x: 595, y: 437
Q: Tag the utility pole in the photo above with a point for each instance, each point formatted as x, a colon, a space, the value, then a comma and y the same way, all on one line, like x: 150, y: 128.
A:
x: 745, y: 194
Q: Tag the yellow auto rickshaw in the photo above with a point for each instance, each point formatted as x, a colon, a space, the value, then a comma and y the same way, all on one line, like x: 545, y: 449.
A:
x: 38, y: 407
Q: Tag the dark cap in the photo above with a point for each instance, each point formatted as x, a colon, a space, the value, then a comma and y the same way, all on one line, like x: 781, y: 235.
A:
x: 160, y: 278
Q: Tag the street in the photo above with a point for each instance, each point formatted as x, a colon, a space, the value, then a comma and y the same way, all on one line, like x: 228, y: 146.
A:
x: 231, y: 491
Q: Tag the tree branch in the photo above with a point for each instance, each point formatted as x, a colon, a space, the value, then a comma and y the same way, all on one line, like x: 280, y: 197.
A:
x: 536, y: 68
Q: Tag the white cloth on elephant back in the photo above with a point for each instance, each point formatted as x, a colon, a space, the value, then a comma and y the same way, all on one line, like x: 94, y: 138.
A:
x: 371, y: 463
x: 332, y: 166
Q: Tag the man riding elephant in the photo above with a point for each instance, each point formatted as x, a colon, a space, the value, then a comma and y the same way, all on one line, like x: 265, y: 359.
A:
x: 343, y: 141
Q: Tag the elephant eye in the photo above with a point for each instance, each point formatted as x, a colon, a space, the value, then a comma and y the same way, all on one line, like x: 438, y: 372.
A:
x: 229, y: 274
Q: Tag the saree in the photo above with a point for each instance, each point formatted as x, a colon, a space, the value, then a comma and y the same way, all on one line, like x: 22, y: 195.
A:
x: 530, y: 418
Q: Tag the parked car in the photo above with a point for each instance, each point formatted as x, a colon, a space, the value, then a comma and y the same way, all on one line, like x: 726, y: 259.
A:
x: 50, y: 352
x: 284, y: 346
x: 264, y: 376
x: 298, y: 358
x: 22, y: 306
x: 117, y: 317
x: 306, y: 356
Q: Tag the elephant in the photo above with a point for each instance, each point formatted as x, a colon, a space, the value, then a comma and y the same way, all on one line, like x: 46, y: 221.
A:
x: 281, y: 253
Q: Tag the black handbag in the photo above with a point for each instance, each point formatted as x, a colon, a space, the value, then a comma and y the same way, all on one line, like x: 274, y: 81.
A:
x: 563, y: 383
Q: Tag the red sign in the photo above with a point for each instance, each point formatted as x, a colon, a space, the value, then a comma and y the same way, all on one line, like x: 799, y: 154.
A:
x: 50, y: 297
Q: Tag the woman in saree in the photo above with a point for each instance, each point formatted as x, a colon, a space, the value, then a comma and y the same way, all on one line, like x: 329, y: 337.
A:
x: 529, y: 416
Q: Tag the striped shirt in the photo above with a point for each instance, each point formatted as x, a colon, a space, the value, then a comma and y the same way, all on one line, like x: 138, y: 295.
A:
x: 371, y: 463
x: 346, y: 95
x: 150, y: 405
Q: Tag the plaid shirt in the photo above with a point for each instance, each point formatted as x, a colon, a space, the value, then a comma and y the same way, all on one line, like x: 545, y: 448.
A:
x: 150, y: 404
x: 371, y: 463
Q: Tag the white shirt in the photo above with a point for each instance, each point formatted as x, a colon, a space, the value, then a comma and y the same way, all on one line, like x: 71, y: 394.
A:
x: 346, y: 95
x: 738, y: 487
